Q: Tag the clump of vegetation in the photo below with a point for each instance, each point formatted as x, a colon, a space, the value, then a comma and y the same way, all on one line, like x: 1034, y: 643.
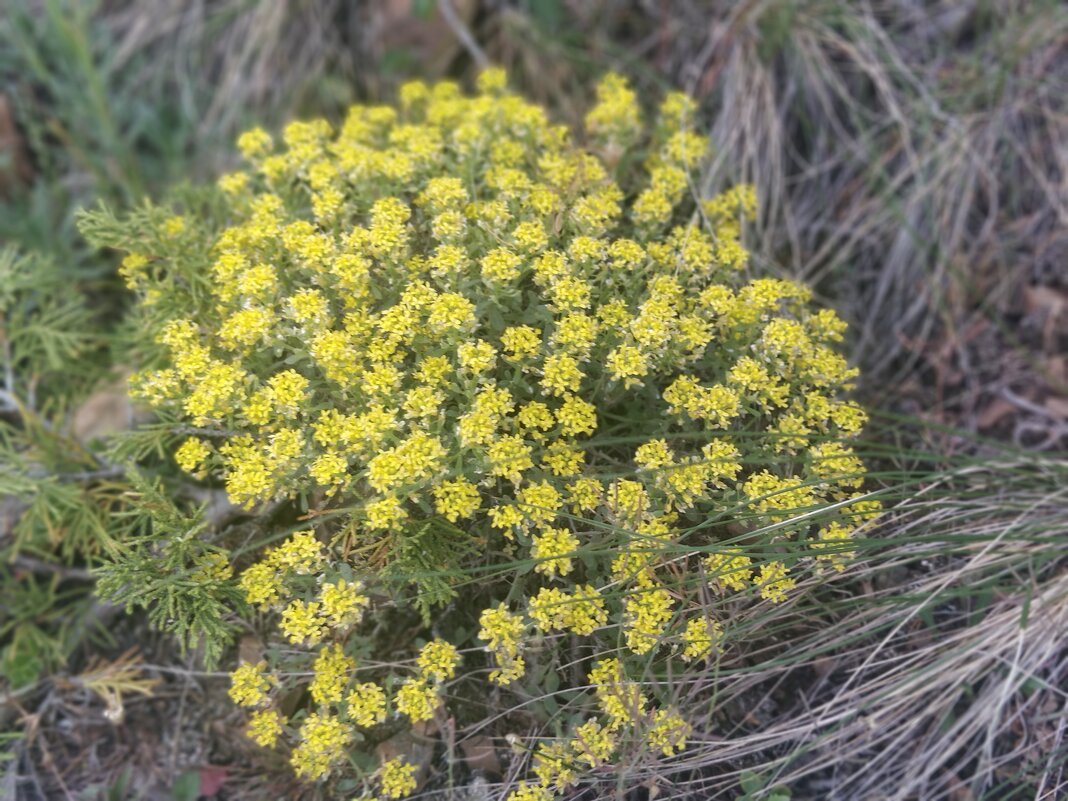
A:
x: 522, y: 395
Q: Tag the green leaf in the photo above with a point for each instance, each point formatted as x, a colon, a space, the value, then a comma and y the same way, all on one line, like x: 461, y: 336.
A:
x: 28, y: 654
x: 750, y: 782
x: 186, y: 787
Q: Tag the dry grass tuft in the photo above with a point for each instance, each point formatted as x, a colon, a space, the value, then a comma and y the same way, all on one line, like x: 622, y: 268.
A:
x: 933, y: 668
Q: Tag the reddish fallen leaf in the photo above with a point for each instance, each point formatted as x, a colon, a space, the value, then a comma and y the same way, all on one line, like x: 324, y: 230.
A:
x: 212, y: 778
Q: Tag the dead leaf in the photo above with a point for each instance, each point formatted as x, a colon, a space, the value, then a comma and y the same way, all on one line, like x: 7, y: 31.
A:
x: 824, y: 666
x: 480, y: 754
x: 1045, y: 300
x: 1056, y: 370
x: 15, y: 167
x: 1057, y: 407
x: 249, y: 649
x: 1052, y: 304
x: 995, y: 411
x: 956, y: 789
x: 106, y: 411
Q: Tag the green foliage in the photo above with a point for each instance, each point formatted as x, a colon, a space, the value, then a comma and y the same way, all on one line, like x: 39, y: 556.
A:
x: 756, y: 788
x: 28, y: 649
x: 42, y: 620
x: 168, y: 569
x: 430, y: 556
x: 6, y: 739
x: 63, y: 502
x: 48, y: 345
x: 51, y: 355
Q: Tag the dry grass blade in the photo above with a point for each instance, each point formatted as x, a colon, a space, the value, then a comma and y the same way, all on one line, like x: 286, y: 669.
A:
x: 111, y: 679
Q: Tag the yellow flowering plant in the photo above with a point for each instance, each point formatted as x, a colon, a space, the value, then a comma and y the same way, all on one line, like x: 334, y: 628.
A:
x: 522, y: 382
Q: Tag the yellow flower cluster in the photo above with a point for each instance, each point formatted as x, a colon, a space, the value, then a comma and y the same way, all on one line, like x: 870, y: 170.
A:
x: 647, y: 611
x: 420, y: 696
x: 322, y: 742
x: 626, y: 715
x: 276, y: 583
x: 366, y: 705
x: 700, y: 638
x: 249, y: 684
x: 265, y: 727
x: 418, y: 699
x: 332, y: 670
x: 449, y: 317
x: 323, y: 735
x: 438, y: 660
x: 397, y: 778
x: 503, y: 633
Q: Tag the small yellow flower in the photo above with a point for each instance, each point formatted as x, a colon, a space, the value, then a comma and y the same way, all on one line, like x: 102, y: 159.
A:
x: 366, y: 704
x: 262, y: 584
x: 593, y: 743
x: 332, y: 671
x: 555, y: 765
x: 417, y: 699
x: 731, y: 568
x: 302, y: 553
x: 397, y: 778
x: 700, y: 638
x: 323, y: 739
x: 669, y: 732
x: 249, y: 683
x: 576, y: 416
x: 501, y: 265
x: 492, y: 80
x: 192, y: 455
x: 254, y: 143
x: 503, y: 633
x: 438, y: 660
x: 647, y: 611
x: 561, y: 374
x: 342, y: 602
x: 302, y: 623
x: 774, y: 582
x: 456, y: 498
x: 509, y: 457
x: 531, y: 792
x: 173, y: 226
x: 620, y: 698
x: 264, y: 727
x: 552, y: 549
